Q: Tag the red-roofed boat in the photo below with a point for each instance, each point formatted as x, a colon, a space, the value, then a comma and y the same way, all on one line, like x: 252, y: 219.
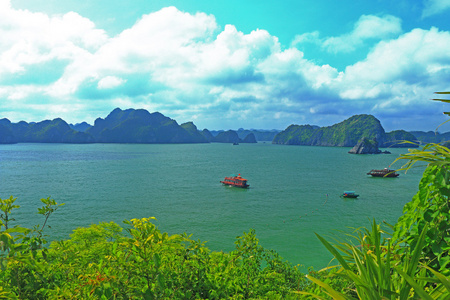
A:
x: 236, y: 181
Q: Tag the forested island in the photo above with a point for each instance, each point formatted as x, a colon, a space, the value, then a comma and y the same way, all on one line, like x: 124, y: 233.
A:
x: 141, y: 126
x: 344, y: 134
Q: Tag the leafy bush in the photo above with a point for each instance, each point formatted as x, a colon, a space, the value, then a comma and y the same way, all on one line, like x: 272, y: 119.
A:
x: 103, y: 262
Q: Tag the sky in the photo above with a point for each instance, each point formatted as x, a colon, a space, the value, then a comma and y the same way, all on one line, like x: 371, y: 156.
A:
x: 227, y: 64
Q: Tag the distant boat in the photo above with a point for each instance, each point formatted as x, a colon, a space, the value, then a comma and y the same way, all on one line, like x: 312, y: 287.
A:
x: 236, y: 181
x: 235, y: 143
x: 349, y: 194
x: 383, y: 173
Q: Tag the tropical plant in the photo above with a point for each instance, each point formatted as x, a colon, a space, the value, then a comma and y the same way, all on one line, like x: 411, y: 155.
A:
x: 430, y: 205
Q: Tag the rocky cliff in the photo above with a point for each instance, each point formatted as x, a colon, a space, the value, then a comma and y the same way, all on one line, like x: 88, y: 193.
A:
x: 366, y: 146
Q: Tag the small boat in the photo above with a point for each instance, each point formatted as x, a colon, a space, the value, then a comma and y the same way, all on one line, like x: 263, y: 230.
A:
x: 349, y: 194
x: 236, y: 181
x: 383, y: 173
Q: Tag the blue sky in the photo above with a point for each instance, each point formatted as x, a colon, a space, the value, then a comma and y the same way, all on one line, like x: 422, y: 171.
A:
x: 227, y: 64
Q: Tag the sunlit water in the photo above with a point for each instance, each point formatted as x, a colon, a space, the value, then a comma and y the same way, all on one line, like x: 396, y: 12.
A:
x: 294, y: 190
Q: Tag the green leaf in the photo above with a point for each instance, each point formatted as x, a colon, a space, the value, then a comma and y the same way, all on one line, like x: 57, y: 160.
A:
x: 311, y: 294
x: 334, y: 252
x: 436, y: 248
x: 336, y: 295
x: 428, y: 215
x: 444, y: 280
x: 443, y: 100
x: 417, y: 289
x: 156, y: 260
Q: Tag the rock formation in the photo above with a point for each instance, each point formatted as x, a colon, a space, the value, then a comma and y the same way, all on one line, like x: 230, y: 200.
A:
x: 366, y: 146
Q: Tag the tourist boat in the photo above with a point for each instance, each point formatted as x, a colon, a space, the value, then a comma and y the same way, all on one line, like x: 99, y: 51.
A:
x: 349, y: 194
x: 236, y: 181
x: 383, y: 173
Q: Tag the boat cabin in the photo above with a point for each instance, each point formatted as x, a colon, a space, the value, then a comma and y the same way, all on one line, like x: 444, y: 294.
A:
x: 236, y: 181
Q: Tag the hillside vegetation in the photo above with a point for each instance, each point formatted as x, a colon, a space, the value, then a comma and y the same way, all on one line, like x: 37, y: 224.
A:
x: 344, y: 134
x: 136, y: 126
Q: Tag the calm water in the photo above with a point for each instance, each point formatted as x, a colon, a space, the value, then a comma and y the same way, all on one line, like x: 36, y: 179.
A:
x: 294, y: 190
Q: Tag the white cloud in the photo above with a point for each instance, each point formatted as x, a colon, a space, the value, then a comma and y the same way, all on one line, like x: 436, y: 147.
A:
x: 35, y: 48
x: 415, y: 57
x: 109, y: 82
x: 28, y: 38
x: 367, y: 27
x: 399, y: 77
x: 434, y: 7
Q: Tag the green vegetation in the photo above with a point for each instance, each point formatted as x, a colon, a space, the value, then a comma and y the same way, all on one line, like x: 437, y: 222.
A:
x: 104, y: 262
x: 140, y: 126
x: 344, y: 134
x: 120, y: 126
x: 395, y: 138
x: 296, y: 135
x: 55, y: 131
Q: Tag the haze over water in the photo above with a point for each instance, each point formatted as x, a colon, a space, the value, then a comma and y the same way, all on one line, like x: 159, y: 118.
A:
x: 294, y: 190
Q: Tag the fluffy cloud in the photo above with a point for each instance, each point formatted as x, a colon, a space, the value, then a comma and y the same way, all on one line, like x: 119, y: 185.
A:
x: 35, y: 38
x: 433, y: 7
x: 187, y: 67
x: 109, y: 82
x: 367, y: 28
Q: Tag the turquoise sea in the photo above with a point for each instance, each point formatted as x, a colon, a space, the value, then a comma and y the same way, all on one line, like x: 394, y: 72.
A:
x: 294, y: 190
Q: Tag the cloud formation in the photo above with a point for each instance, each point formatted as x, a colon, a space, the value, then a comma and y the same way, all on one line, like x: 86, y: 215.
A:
x: 189, y: 68
x: 367, y: 28
x: 434, y: 7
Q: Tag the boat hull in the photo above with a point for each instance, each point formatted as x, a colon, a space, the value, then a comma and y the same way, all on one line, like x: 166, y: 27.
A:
x: 350, y: 196
x: 383, y: 173
x: 235, y: 185
x: 378, y: 175
x: 236, y: 181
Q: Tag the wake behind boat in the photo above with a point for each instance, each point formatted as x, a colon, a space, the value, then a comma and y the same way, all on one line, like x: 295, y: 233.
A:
x: 236, y: 181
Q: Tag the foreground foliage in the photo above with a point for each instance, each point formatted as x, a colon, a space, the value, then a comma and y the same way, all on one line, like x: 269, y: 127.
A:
x: 106, y: 261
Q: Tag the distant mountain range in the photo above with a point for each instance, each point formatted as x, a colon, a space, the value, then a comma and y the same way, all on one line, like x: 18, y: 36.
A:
x: 140, y: 126
x: 120, y: 126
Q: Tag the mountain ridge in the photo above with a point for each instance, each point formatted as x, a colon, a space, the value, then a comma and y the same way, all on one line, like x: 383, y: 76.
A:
x: 141, y: 126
